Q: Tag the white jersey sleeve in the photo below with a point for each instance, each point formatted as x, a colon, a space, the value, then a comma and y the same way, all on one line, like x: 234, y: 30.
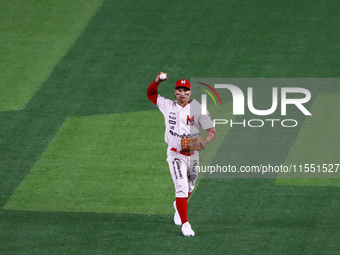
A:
x: 205, y: 121
x: 163, y: 104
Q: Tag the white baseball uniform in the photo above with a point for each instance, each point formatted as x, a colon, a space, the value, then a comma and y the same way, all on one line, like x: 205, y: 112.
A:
x: 182, y: 122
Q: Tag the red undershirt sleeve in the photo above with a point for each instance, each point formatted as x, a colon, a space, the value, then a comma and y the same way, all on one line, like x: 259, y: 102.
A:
x: 152, y: 92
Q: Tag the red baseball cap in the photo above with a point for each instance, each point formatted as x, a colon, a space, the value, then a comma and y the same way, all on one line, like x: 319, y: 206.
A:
x: 183, y: 84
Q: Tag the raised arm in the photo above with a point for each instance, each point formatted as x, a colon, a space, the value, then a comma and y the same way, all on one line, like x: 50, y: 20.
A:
x: 152, y: 92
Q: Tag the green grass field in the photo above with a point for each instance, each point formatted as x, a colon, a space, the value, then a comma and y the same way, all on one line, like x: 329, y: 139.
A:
x: 83, y: 161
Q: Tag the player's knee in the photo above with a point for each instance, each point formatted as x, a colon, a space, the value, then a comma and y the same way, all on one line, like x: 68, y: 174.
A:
x: 182, y: 193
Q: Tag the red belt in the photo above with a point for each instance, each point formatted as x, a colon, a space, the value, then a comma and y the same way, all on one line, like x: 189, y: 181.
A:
x: 185, y: 153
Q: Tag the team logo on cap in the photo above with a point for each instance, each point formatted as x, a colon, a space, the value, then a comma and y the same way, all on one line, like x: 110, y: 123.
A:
x: 183, y: 83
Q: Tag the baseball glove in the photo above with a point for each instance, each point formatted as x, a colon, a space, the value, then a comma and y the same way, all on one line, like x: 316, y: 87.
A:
x: 193, y: 144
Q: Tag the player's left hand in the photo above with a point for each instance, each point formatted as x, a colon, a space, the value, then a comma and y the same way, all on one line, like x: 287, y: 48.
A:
x: 193, y: 144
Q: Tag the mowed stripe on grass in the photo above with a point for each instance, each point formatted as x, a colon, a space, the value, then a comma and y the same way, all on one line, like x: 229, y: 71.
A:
x: 104, y: 163
x: 315, y: 153
x: 35, y: 35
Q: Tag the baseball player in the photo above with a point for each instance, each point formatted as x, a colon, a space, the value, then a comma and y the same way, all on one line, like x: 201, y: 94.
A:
x: 183, y: 122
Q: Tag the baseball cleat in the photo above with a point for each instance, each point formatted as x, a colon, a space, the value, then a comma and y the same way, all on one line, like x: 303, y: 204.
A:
x: 177, y: 218
x: 186, y: 229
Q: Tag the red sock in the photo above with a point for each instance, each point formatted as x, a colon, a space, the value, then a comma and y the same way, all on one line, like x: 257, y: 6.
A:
x: 182, y: 208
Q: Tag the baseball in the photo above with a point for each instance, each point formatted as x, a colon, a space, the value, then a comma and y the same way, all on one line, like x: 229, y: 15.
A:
x: 162, y: 76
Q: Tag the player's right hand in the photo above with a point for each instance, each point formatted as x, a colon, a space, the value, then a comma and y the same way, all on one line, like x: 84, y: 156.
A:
x: 158, y: 79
